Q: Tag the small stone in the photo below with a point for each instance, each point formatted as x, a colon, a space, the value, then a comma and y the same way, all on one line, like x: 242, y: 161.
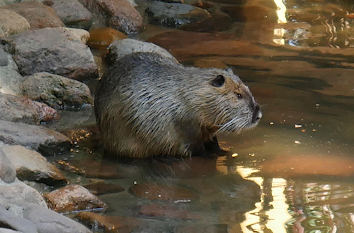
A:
x: 37, y: 14
x: 32, y: 166
x: 153, y: 191
x: 12, y: 23
x: 71, y: 198
x: 101, y: 38
x: 101, y: 187
x: 56, y: 91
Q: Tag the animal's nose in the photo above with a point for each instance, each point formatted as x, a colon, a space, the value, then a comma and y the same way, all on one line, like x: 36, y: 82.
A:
x: 257, y: 114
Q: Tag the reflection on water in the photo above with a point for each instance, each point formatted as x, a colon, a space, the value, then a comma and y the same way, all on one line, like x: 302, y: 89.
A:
x: 297, y: 57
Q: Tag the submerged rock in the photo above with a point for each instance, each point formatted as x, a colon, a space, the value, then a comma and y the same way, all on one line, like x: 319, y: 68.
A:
x: 32, y: 166
x: 10, y: 79
x: 102, y: 187
x: 21, y: 109
x: 12, y: 23
x: 165, y: 211
x: 175, y: 14
x: 53, y: 50
x: 37, y: 14
x: 45, y: 140
x: 72, y: 13
x: 56, y: 91
x: 71, y: 198
x: 101, y: 38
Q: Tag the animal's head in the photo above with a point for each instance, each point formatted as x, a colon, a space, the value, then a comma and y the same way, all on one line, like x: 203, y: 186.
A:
x: 228, y: 104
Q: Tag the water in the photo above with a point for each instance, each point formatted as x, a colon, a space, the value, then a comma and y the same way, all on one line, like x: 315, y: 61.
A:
x: 294, y: 172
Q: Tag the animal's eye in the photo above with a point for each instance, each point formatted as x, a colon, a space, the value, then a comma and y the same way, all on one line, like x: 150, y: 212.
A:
x: 239, y: 95
x: 218, y: 81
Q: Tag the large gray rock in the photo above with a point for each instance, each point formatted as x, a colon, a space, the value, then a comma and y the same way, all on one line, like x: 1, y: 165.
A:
x: 10, y: 79
x: 17, y: 196
x: 48, y: 221
x: 53, y: 50
x: 32, y: 166
x: 56, y: 91
x: 175, y: 14
x: 72, y: 13
x: 11, y: 23
x: 45, y: 140
x: 16, y: 223
x: 7, y: 169
x: 21, y: 109
x: 121, y: 48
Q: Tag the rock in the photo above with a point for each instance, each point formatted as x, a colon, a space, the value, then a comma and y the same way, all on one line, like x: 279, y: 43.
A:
x: 5, y: 230
x: 71, y: 198
x: 48, y: 221
x: 101, y: 38
x: 98, y: 169
x: 56, y: 91
x: 32, y: 166
x: 45, y: 140
x: 7, y: 169
x: 217, y: 22
x: 175, y: 14
x: 11, y: 23
x: 17, y: 196
x: 53, y: 50
x: 37, y: 14
x: 121, y: 48
x: 21, y: 109
x: 10, y: 79
x: 15, y: 223
x: 119, y: 14
x: 72, y: 13
x: 77, y: 34
x: 153, y: 191
x: 101, y: 187
x: 112, y: 224
x: 165, y: 211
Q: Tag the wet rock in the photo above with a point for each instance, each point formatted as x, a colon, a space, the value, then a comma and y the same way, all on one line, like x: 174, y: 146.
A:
x: 10, y: 79
x: 101, y: 38
x: 53, y: 50
x: 7, y: 169
x: 17, y: 196
x: 215, y: 23
x: 101, y: 187
x: 164, y: 211
x: 48, y: 221
x: 21, y: 109
x: 47, y: 141
x: 71, y: 198
x: 118, y: 14
x: 174, y: 14
x: 56, y: 91
x: 15, y: 223
x: 11, y: 23
x: 154, y: 191
x: 121, y: 48
x: 37, y: 14
x: 72, y: 13
x: 112, y: 224
x: 32, y: 166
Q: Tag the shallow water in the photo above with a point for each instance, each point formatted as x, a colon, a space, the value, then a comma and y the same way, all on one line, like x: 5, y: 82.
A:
x: 297, y: 58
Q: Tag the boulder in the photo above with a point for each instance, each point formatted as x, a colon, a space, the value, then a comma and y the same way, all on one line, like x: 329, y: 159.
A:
x: 121, y: 48
x: 21, y: 109
x: 72, y: 198
x: 47, y: 141
x: 12, y: 23
x: 7, y: 169
x: 72, y: 13
x: 56, y: 91
x: 118, y: 14
x: 15, y: 223
x: 10, y: 79
x: 32, y: 166
x: 37, y: 14
x: 175, y: 14
x: 53, y: 50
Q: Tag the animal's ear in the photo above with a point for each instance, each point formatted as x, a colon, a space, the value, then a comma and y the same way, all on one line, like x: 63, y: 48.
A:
x: 218, y: 81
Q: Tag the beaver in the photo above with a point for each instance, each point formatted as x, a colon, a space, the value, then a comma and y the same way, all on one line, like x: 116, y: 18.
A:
x: 147, y: 104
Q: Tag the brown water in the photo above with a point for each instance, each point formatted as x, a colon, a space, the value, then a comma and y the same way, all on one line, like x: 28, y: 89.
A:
x: 297, y: 57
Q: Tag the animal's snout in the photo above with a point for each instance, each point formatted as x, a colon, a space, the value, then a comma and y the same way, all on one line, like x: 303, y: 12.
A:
x: 257, y: 113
